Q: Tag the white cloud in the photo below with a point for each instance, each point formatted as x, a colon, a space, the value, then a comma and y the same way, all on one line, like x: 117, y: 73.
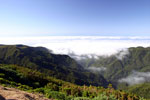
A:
x: 96, y: 69
x: 122, y: 54
x: 81, y: 45
x: 136, y: 78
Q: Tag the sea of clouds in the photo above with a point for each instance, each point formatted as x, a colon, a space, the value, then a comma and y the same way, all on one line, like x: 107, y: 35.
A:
x: 83, y: 47
x: 91, y: 46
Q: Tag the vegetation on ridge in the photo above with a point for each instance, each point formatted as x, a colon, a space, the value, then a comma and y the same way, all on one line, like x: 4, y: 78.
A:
x: 34, y: 81
x: 36, y: 69
x: 59, y: 66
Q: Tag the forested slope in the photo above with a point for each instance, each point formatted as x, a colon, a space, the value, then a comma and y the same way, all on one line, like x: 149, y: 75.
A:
x: 59, y: 66
x: 36, y: 82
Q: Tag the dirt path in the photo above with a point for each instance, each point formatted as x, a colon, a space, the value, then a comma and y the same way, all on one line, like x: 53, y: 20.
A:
x: 15, y: 94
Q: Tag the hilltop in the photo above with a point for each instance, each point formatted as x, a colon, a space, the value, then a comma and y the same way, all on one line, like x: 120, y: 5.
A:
x: 59, y: 66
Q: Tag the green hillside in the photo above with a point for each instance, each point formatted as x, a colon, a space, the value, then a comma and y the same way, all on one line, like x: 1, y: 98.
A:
x: 37, y: 69
x: 59, y: 66
x: 136, y: 64
x: 140, y: 89
x: 138, y: 59
x: 34, y: 81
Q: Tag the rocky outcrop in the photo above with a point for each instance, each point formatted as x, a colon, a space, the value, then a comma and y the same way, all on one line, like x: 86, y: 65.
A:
x: 15, y: 94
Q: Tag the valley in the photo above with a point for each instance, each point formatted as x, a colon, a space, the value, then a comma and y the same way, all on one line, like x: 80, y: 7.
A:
x: 35, y: 69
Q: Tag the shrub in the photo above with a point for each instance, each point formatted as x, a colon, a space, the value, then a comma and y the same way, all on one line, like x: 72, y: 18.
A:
x: 141, y: 98
x: 56, y: 95
x: 2, y: 75
x: 81, y: 98
x: 105, y: 97
x: 52, y: 86
x: 39, y: 90
x: 85, y: 94
x: 24, y: 87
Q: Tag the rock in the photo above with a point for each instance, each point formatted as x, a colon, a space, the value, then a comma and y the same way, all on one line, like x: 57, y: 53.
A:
x: 15, y: 94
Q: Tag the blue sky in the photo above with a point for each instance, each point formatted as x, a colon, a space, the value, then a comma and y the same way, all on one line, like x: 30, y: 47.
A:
x: 74, y: 17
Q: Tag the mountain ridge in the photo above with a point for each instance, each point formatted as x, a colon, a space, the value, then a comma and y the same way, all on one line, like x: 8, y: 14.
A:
x: 59, y: 66
x: 122, y: 65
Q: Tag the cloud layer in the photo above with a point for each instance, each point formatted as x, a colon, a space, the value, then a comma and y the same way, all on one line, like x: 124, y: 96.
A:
x: 96, y: 69
x: 122, y: 54
x: 136, y: 78
x: 81, y: 45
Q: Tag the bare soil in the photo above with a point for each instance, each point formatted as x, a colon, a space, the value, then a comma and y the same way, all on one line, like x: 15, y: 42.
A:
x: 15, y: 94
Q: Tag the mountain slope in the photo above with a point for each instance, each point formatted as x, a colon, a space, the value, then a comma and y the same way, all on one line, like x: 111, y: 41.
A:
x: 59, y: 66
x: 138, y: 59
x: 124, y: 64
x: 142, y: 90
x: 33, y: 81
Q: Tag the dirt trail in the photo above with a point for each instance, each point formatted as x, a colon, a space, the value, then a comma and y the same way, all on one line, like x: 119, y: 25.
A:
x: 15, y: 94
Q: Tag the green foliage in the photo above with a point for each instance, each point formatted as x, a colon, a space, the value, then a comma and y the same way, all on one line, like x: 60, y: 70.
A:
x: 105, y: 97
x: 37, y: 70
x: 142, y: 90
x: 141, y: 98
x: 24, y: 87
x: 52, y: 86
x: 81, y: 98
x: 34, y: 81
x: 137, y: 59
x: 41, y: 59
x: 85, y: 94
x: 56, y: 95
x: 2, y: 75
x: 39, y: 90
